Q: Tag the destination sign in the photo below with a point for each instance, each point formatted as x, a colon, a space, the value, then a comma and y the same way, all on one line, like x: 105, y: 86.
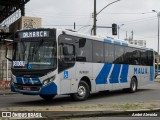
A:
x: 33, y: 34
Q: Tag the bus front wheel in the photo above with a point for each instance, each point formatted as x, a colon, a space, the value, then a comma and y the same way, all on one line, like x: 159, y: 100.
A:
x: 82, y: 93
x: 47, y: 97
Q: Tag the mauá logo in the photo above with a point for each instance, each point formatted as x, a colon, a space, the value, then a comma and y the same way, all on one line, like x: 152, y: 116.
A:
x: 140, y: 70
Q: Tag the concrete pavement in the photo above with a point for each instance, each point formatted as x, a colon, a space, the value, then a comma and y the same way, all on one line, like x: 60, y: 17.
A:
x: 6, y: 91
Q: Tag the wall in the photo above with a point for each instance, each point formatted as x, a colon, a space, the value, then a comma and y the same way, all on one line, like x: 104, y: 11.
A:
x: 25, y: 22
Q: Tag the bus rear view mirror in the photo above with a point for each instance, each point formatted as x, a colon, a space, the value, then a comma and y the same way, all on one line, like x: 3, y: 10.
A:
x: 82, y: 42
x: 65, y: 50
x: 155, y: 60
x: 68, y: 53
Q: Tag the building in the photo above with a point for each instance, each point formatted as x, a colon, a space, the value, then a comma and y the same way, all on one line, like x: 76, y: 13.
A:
x: 11, y: 11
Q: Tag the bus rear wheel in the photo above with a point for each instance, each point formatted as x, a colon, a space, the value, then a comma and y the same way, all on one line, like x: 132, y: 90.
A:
x: 82, y: 93
x: 133, y: 85
x: 47, y: 97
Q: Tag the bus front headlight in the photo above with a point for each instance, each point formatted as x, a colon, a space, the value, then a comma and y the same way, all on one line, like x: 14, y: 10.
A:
x: 47, y: 81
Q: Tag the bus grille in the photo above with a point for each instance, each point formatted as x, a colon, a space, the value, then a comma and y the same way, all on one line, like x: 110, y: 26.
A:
x: 28, y: 88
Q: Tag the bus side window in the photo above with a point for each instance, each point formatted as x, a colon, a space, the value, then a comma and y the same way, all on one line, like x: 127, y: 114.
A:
x: 150, y: 58
x: 136, y: 57
x: 128, y: 55
x: 109, y: 53
x: 84, y: 51
x: 119, y: 54
x: 98, y: 55
x: 66, y: 52
x: 143, y: 57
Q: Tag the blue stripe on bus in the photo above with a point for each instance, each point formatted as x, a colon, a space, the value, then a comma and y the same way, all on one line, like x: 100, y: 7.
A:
x: 19, y: 80
x: 115, y: 42
x: 103, y: 75
x: 124, y: 73
x: 51, y: 88
x: 28, y: 81
x: 36, y: 80
x: 107, y: 41
x: 124, y: 44
x: 151, y: 73
x: 115, y: 74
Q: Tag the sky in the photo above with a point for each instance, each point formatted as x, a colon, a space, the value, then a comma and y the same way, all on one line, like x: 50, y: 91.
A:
x: 136, y: 15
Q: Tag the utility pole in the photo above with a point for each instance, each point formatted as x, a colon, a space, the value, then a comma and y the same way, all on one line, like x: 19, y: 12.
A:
x: 158, y: 33
x: 126, y: 35
x: 158, y: 16
x: 94, y: 18
x: 132, y: 34
x: 95, y: 15
x: 74, y: 26
x: 119, y: 29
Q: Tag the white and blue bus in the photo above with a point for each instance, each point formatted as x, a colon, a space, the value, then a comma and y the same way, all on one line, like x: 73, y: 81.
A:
x: 49, y: 62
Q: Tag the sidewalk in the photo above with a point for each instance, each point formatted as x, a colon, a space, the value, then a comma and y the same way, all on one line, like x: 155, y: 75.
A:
x: 6, y: 91
x: 157, y: 80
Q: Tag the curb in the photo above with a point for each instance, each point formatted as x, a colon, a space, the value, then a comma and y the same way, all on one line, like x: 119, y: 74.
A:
x: 82, y: 114
x: 7, y: 93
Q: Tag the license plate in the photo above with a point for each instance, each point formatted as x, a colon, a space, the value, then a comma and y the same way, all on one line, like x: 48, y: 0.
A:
x: 27, y: 88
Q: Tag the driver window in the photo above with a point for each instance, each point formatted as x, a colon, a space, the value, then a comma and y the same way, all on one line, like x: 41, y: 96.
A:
x: 66, y: 52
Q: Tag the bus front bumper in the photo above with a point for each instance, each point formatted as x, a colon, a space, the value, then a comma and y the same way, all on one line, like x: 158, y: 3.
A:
x: 48, y: 89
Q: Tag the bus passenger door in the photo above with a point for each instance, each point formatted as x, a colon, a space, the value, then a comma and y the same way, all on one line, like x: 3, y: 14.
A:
x: 66, y: 63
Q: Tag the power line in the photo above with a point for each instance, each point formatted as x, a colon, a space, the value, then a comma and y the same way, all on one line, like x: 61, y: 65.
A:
x: 60, y: 15
x: 130, y: 13
x: 138, y: 20
x: 68, y: 25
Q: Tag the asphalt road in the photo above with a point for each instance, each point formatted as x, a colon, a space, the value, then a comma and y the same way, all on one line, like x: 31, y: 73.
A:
x: 145, y: 94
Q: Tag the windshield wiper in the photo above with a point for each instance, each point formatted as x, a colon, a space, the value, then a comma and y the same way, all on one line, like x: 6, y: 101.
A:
x: 39, y: 45
x: 21, y: 50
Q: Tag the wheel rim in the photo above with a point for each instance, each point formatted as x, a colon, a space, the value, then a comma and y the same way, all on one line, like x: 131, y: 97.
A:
x: 81, y: 91
x: 134, y: 85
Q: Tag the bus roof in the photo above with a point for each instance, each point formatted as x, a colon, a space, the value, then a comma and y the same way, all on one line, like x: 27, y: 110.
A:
x: 105, y: 39
x: 98, y: 38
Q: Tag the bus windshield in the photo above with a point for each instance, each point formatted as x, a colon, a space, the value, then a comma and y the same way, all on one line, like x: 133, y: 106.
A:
x: 39, y: 54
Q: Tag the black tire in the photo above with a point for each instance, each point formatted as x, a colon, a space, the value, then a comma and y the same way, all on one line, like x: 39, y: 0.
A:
x: 83, y: 92
x: 47, y: 97
x: 133, y: 85
x: 104, y: 92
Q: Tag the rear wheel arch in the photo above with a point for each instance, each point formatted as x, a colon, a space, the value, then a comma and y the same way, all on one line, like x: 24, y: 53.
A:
x: 88, y: 81
x: 83, y: 90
